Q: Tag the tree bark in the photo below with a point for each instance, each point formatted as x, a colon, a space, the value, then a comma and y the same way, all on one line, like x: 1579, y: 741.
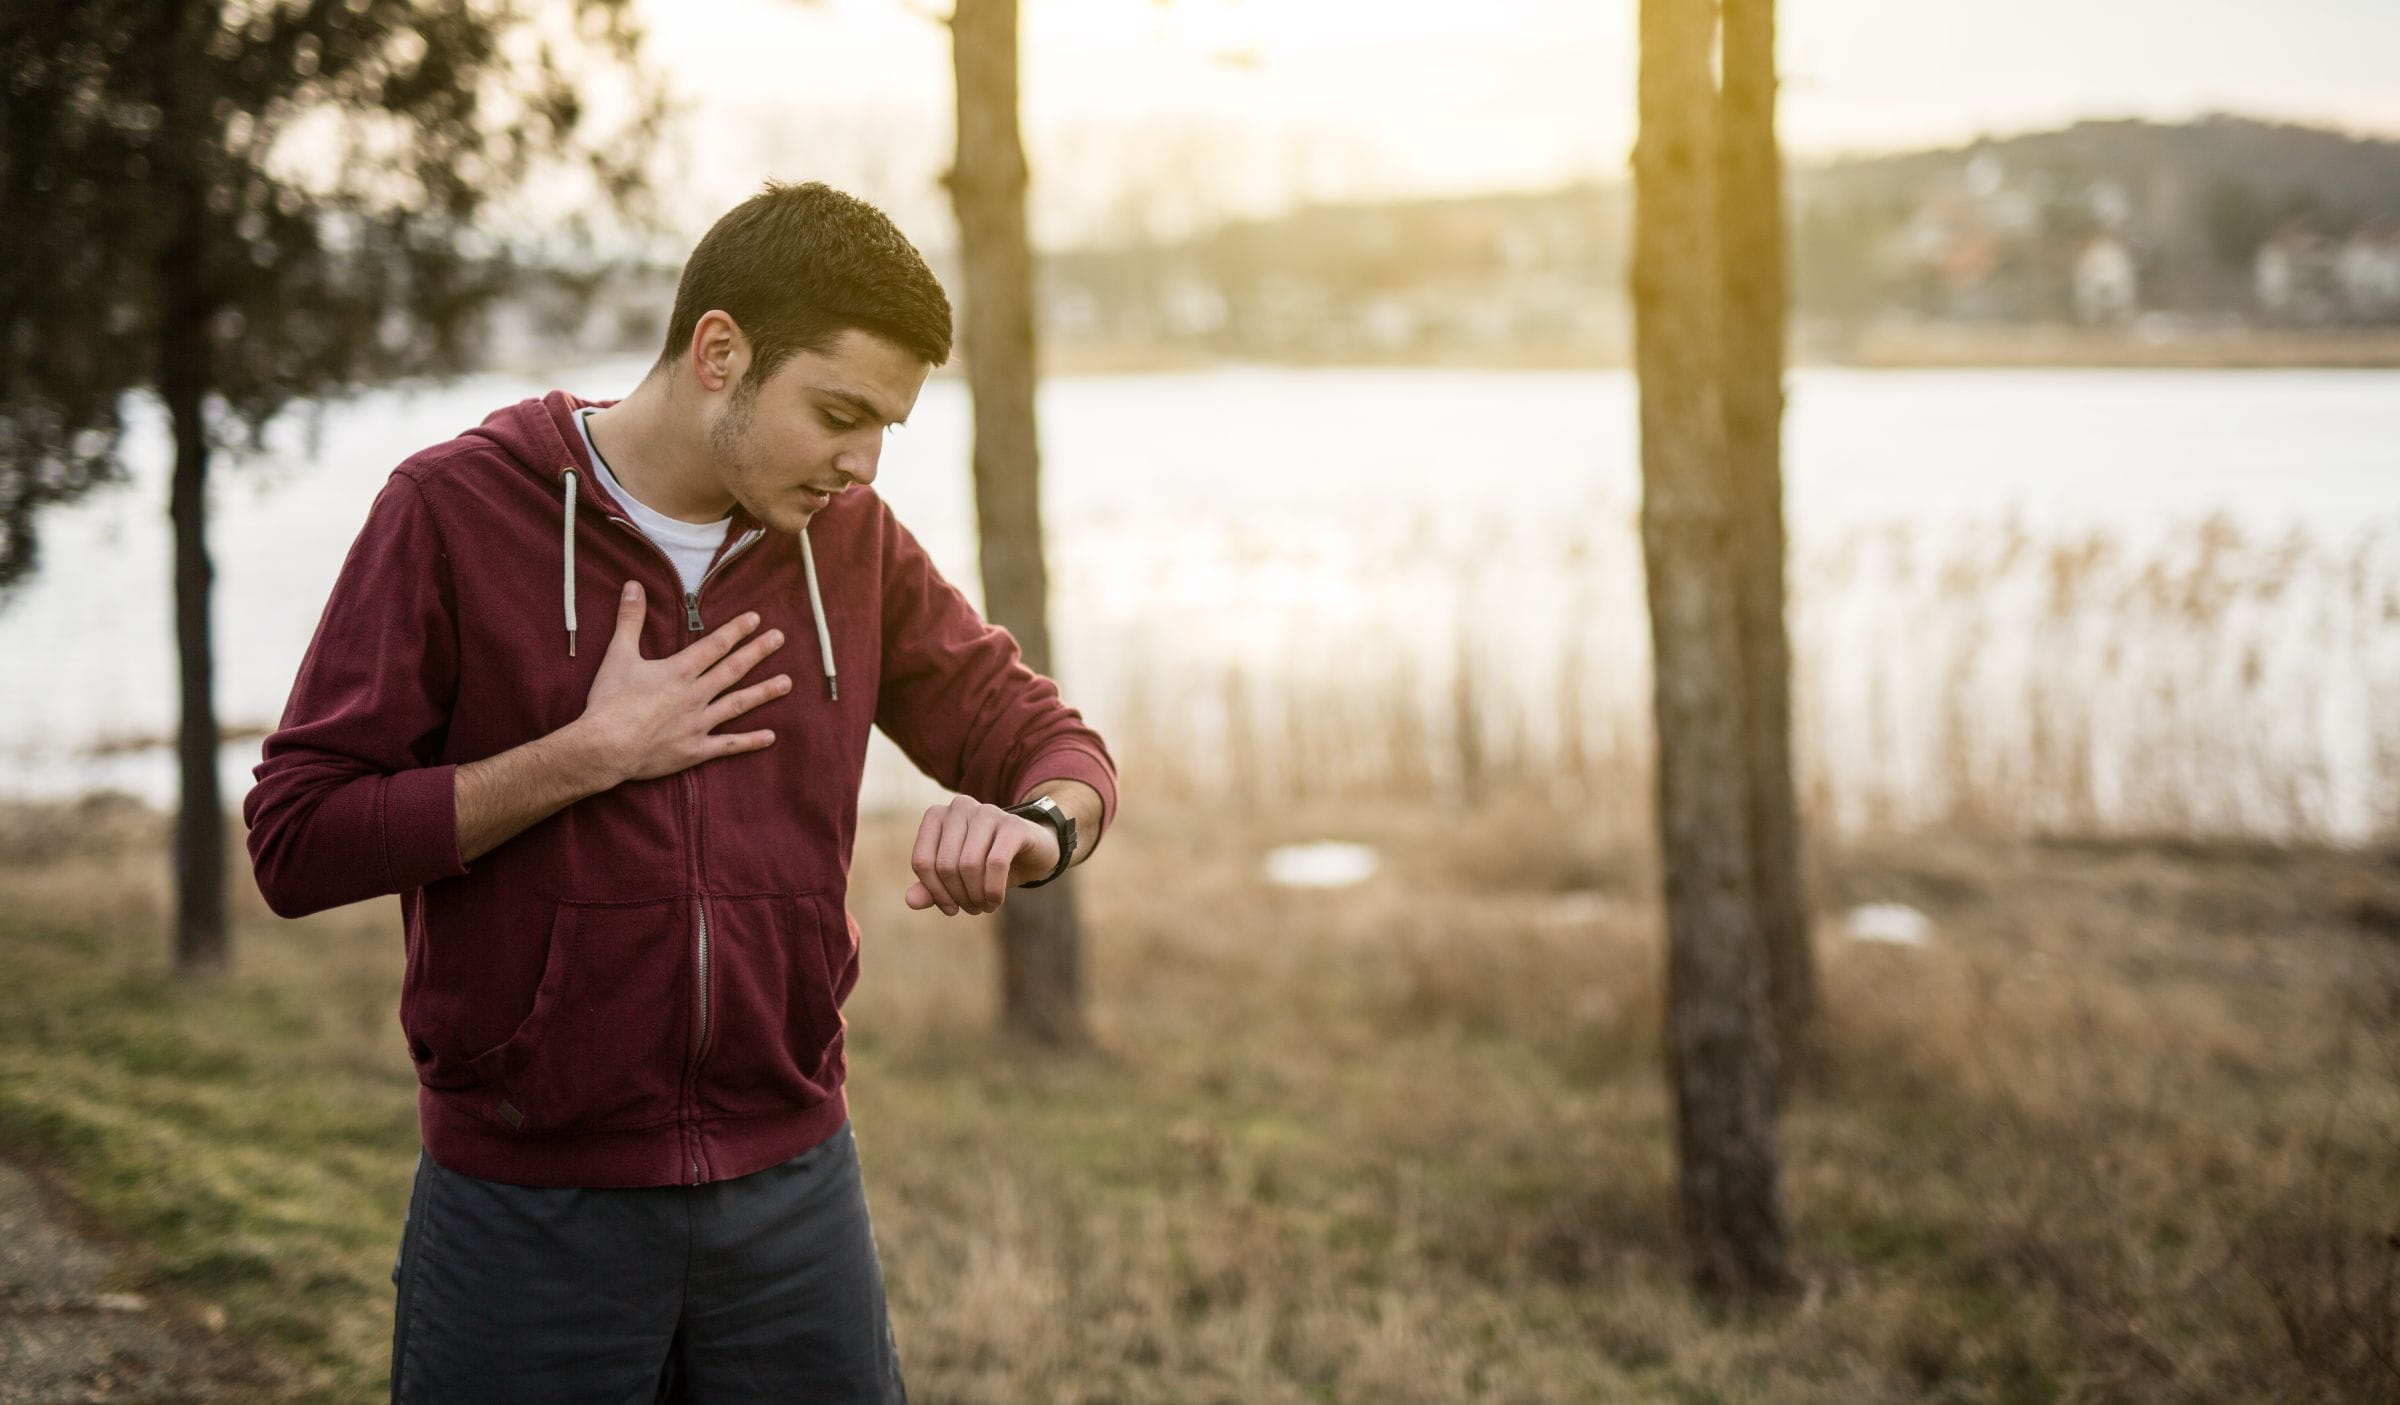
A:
x: 201, y: 939
x: 1720, y: 1054
x: 1041, y: 937
x: 1750, y: 196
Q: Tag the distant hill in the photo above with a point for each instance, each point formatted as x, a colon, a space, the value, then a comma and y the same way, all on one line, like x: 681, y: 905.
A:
x: 1998, y: 231
x: 2165, y: 165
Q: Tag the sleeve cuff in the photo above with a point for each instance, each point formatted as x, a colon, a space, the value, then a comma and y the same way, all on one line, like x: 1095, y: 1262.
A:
x: 420, y: 827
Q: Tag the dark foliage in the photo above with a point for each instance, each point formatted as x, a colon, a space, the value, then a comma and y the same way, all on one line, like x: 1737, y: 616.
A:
x: 315, y: 168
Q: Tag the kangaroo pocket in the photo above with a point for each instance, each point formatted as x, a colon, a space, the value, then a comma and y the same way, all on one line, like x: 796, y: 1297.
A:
x: 775, y: 1027
x: 610, y: 1032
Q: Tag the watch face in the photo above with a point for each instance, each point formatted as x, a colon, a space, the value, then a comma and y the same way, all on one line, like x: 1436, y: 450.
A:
x: 1047, y: 808
x: 1061, y: 824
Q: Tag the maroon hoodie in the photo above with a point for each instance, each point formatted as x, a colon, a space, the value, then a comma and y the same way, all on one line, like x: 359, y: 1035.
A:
x: 646, y: 987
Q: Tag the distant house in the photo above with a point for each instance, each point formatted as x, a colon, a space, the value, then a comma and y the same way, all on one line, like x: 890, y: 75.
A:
x: 2367, y: 272
x: 2106, y: 284
x: 1193, y: 307
x: 1975, y: 248
x: 2296, y: 275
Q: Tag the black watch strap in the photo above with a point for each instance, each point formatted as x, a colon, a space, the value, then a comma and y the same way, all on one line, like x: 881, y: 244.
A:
x: 1041, y: 809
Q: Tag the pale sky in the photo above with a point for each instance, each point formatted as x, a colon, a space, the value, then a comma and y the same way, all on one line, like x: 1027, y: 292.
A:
x: 1143, y: 112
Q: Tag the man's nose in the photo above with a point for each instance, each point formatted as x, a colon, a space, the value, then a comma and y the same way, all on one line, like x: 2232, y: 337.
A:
x: 858, y: 465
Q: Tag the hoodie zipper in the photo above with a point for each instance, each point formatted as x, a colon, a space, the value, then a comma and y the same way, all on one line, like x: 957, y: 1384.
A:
x: 700, y: 1046
x: 691, y: 787
x: 691, y: 598
x: 691, y: 790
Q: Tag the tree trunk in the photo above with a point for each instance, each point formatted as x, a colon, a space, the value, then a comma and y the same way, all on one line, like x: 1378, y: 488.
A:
x: 201, y: 944
x: 1751, y: 198
x: 1041, y: 939
x: 200, y: 933
x: 1720, y: 1054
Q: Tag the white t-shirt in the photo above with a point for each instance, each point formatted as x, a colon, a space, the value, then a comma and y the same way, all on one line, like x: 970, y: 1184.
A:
x: 690, y: 545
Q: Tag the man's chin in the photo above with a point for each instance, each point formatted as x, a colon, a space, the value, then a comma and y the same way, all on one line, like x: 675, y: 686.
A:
x: 785, y: 517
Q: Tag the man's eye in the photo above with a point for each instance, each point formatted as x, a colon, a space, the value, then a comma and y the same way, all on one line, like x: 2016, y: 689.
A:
x: 837, y: 422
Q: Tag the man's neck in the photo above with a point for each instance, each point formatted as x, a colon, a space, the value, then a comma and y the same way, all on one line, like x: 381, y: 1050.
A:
x: 660, y: 460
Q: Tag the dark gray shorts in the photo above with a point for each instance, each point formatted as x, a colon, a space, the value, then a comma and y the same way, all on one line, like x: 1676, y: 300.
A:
x: 762, y: 1288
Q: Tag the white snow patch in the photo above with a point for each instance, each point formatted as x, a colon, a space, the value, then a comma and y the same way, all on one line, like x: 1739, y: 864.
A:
x: 1895, y: 923
x: 1325, y: 864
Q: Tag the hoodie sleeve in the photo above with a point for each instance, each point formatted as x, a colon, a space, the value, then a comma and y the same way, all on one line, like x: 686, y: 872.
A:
x: 349, y: 804
x: 961, y: 703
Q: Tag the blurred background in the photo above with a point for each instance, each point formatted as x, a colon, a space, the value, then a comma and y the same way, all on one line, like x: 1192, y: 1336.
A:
x: 2091, y: 473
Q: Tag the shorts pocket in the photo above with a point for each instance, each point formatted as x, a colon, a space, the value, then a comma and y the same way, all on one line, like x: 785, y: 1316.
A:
x: 610, y: 1031
x: 778, y: 968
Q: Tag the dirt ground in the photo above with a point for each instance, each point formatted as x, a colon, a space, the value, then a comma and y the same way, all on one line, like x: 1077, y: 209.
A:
x: 81, y: 1320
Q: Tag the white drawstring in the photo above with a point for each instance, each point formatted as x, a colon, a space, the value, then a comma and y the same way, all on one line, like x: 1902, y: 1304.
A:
x: 567, y: 541
x: 816, y: 607
x: 808, y: 563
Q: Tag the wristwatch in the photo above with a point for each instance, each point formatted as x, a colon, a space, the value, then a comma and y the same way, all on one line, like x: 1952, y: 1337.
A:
x: 1041, y: 809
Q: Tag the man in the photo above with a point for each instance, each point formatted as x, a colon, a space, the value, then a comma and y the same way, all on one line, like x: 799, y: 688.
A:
x: 538, y: 708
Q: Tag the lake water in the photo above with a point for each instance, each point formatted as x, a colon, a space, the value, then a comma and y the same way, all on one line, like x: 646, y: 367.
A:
x: 2117, y: 599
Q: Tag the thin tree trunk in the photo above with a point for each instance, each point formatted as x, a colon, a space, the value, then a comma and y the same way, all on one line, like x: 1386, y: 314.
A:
x: 1750, y: 196
x: 1041, y: 938
x: 183, y: 378
x: 200, y: 933
x: 1719, y: 1047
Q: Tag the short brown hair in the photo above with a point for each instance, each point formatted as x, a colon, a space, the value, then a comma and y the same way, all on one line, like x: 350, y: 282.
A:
x: 795, y: 266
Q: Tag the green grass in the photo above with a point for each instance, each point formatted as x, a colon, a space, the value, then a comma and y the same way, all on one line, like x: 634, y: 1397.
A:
x: 211, y: 1123
x: 1404, y: 1143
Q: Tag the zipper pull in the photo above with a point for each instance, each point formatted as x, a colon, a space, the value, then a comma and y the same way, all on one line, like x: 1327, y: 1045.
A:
x: 691, y: 612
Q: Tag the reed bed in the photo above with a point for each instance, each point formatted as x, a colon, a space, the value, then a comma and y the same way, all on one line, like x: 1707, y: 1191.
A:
x: 2204, y: 679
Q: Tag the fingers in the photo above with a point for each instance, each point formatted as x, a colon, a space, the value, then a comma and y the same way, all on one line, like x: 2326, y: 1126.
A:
x: 983, y: 861
x: 733, y: 705
x: 941, y: 836
x: 737, y: 665
x: 966, y: 870
x: 963, y: 856
x: 735, y: 743
x: 975, y: 840
x: 628, y: 636
x: 955, y: 826
x: 921, y: 861
x: 704, y: 654
x: 998, y: 860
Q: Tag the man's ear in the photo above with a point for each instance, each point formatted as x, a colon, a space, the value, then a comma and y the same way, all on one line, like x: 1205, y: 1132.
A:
x: 719, y: 352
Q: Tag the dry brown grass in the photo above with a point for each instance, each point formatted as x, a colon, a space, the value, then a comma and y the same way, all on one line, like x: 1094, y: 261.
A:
x: 1409, y: 1141
x: 2206, y: 678
x: 2124, y: 1132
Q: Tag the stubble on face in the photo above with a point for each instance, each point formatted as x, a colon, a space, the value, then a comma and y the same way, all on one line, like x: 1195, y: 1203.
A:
x: 729, y: 444
x: 726, y: 436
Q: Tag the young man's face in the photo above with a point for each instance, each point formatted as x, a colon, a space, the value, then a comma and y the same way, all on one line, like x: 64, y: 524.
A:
x: 815, y: 426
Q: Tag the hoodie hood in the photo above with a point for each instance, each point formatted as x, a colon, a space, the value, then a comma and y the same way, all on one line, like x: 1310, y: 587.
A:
x: 543, y: 438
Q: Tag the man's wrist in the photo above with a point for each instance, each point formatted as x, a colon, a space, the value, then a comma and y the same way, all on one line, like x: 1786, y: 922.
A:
x: 583, y: 754
x: 1081, y: 803
x: 1056, y: 825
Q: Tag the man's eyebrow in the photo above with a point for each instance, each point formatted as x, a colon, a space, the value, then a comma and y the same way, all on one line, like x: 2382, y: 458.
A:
x: 859, y: 403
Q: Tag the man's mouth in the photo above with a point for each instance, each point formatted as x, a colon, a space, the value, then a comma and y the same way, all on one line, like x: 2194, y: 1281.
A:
x: 817, y: 497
